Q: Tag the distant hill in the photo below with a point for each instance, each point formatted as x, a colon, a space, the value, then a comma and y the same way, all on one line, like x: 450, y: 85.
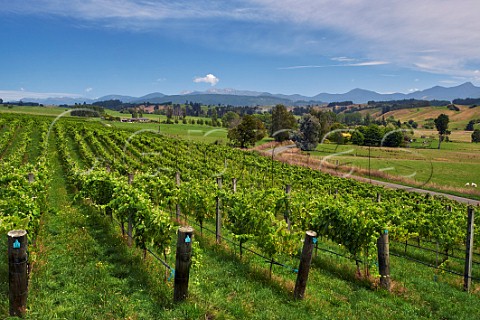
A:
x: 234, y: 97
x: 466, y: 90
x: 122, y: 98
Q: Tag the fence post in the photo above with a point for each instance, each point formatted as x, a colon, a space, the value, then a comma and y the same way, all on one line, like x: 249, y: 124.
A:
x: 31, y: 177
x: 384, y: 260
x: 467, y: 277
x: 17, y: 269
x: 286, y: 215
x: 130, y: 219
x: 177, y: 206
x: 305, y: 261
x: 182, y: 263
x: 218, y: 216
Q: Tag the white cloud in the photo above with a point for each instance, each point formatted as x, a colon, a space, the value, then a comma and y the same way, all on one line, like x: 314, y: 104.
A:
x: 450, y: 82
x: 13, y: 95
x: 407, y: 33
x: 357, y: 64
x: 89, y: 89
x: 209, y: 78
x: 343, y: 59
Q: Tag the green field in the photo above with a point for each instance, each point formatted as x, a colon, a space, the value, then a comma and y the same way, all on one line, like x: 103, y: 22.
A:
x: 184, y: 131
x: 82, y: 267
x: 45, y: 111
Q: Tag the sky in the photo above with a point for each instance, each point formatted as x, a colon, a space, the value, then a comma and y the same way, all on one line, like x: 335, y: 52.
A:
x: 92, y: 48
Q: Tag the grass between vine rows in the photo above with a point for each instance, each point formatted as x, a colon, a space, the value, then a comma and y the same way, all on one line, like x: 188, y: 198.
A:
x: 82, y: 269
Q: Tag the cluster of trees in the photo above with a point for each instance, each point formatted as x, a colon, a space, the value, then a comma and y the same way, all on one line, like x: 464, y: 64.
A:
x: 21, y: 103
x: 476, y: 136
x: 307, y: 132
x: 318, y: 125
x: 467, y: 101
x: 471, y: 124
x: 87, y: 111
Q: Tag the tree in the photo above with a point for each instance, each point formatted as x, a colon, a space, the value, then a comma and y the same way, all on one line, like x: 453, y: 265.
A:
x: 373, y: 135
x: 471, y: 125
x: 282, y: 123
x: 368, y: 119
x: 476, y: 136
x: 393, y: 139
x: 230, y: 119
x: 309, y: 133
x: 358, y: 138
x: 441, y: 123
x: 338, y: 136
x: 326, y: 120
x: 248, y: 131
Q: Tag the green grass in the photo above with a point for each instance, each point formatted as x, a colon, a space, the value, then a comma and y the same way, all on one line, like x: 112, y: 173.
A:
x: 452, y: 166
x: 46, y: 111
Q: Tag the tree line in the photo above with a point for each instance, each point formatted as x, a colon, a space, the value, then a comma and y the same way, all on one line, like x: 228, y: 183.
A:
x: 323, y: 126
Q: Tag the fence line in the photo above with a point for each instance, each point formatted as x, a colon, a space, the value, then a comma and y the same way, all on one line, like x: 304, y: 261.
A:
x: 269, y: 260
x: 433, y: 250
x: 431, y: 265
x: 456, y: 247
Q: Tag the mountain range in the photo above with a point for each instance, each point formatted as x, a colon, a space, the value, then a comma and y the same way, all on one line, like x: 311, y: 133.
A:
x: 251, y: 98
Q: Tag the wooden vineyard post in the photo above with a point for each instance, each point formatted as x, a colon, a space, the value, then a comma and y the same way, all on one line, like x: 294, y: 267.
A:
x: 31, y: 177
x: 234, y: 183
x: 182, y: 263
x: 305, y: 261
x: 177, y: 206
x: 130, y: 219
x: 384, y: 260
x: 17, y: 269
x: 286, y: 215
x: 218, y: 216
x: 467, y: 277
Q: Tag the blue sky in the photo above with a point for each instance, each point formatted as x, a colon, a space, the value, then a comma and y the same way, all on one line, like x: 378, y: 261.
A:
x: 132, y: 47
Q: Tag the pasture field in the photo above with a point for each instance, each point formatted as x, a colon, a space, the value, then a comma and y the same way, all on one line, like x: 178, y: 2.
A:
x: 82, y: 267
x: 447, y: 169
x: 458, y: 119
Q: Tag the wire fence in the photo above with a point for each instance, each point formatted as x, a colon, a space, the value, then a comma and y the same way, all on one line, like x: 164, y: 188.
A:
x: 449, y: 255
x: 432, y: 266
x: 235, y: 243
x: 155, y: 255
x: 455, y: 247
x: 295, y: 270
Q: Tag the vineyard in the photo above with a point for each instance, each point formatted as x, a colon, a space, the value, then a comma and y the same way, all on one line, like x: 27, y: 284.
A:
x: 145, y: 184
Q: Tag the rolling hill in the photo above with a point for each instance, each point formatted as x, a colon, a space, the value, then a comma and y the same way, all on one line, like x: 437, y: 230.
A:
x: 458, y: 119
